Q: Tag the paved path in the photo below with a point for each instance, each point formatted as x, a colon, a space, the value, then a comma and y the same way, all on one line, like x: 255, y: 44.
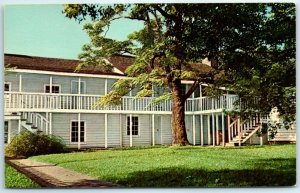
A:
x: 49, y: 175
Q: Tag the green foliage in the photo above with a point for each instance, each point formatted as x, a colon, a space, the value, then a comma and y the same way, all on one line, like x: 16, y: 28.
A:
x: 266, y: 76
x: 251, y: 48
x: 27, y: 144
x: 14, y: 179
x: 273, y: 165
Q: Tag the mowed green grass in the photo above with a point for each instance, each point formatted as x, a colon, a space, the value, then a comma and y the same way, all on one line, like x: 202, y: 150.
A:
x: 14, y: 179
x: 273, y: 165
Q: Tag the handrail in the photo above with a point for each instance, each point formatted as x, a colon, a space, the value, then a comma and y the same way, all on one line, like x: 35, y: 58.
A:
x: 36, y: 120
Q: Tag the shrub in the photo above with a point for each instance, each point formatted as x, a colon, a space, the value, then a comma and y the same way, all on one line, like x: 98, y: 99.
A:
x: 27, y: 144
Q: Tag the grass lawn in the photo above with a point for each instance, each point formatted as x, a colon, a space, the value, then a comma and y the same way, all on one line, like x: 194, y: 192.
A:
x: 273, y: 165
x: 14, y: 179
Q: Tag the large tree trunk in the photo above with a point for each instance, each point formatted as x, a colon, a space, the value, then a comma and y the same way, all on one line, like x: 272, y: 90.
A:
x: 178, y: 123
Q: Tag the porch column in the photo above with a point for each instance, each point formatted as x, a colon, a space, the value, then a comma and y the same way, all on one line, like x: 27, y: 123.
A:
x: 50, y: 84
x: 51, y: 99
x: 105, y: 86
x: 260, y: 138
x: 228, y: 127
x: 239, y: 131
x: 19, y: 125
x: 50, y: 123
x: 79, y: 92
x: 47, y: 124
x: 194, y: 130
x: 208, y: 130
x: 217, y: 129
x: 213, y: 129
x: 130, y: 129
x: 201, y: 129
x: 78, y: 130
x: 201, y: 100
x: 223, y: 130
x: 153, y: 130
x: 9, y: 132
x: 20, y: 83
x: 105, y: 130
x: 121, y: 132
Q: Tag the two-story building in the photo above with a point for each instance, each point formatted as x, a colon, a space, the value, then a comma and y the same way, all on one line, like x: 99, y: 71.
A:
x: 46, y: 95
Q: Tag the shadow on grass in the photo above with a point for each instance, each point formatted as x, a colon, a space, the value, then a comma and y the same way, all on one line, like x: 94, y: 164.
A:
x: 284, y: 175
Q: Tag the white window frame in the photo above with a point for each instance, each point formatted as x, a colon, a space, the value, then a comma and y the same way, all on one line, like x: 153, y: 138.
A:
x: 129, y: 125
x: 9, y: 84
x: 85, y: 131
x: 59, y: 86
x: 84, y: 87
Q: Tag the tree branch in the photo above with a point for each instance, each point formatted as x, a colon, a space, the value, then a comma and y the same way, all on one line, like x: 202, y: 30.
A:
x: 163, y: 12
x: 192, y: 89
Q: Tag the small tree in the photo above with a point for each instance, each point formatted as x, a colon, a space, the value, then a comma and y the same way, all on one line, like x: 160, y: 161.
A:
x: 174, y: 39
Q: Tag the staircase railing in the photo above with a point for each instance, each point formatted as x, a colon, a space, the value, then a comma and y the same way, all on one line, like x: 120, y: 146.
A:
x: 239, y: 131
x: 37, y: 120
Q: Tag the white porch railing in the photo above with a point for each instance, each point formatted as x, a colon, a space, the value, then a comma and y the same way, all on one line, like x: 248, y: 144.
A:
x: 36, y: 120
x: 240, y: 131
x: 46, y: 101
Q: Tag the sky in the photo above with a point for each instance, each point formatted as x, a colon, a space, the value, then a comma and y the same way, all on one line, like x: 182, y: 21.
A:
x: 42, y: 30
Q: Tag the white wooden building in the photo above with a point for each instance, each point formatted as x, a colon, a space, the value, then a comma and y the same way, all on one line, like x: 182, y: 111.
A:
x: 45, y: 94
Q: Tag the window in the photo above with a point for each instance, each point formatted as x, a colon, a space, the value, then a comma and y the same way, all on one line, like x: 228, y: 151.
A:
x: 197, y: 92
x: 74, y: 131
x: 55, y: 88
x: 183, y: 89
x: 135, y: 125
x: 74, y: 87
x: 7, y: 86
x: 5, y: 131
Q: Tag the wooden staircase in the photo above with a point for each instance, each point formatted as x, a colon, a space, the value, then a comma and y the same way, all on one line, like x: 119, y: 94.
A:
x: 240, y: 131
x: 34, y: 122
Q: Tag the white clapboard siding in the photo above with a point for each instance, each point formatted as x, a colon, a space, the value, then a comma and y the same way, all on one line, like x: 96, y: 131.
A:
x: 110, y: 83
x: 205, y: 133
x: 94, y: 86
x: 113, y: 130
x: 13, y: 79
x: 94, y: 128
x: 13, y: 128
x: 63, y: 81
x: 144, y: 137
x: 61, y: 125
x: 166, y: 129
x: 285, y: 134
x: 197, y: 129
x: 95, y: 135
x: 34, y: 82
x: 189, y: 128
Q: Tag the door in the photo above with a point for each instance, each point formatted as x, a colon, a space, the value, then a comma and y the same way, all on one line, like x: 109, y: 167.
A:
x: 75, y: 102
x: 158, y: 130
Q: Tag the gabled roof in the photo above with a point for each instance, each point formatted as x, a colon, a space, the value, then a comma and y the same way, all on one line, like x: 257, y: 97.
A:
x: 120, y: 62
x: 63, y: 65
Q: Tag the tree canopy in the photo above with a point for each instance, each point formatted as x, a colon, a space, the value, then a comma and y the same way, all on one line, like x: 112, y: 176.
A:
x: 251, y: 48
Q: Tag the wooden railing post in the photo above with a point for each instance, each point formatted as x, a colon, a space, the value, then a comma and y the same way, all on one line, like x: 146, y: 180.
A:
x: 239, y: 131
x: 229, y: 129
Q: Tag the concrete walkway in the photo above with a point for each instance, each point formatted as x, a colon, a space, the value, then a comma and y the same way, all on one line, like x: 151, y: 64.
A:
x: 49, y: 175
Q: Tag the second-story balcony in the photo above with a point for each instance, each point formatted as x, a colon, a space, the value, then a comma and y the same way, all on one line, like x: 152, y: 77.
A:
x: 45, y: 102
